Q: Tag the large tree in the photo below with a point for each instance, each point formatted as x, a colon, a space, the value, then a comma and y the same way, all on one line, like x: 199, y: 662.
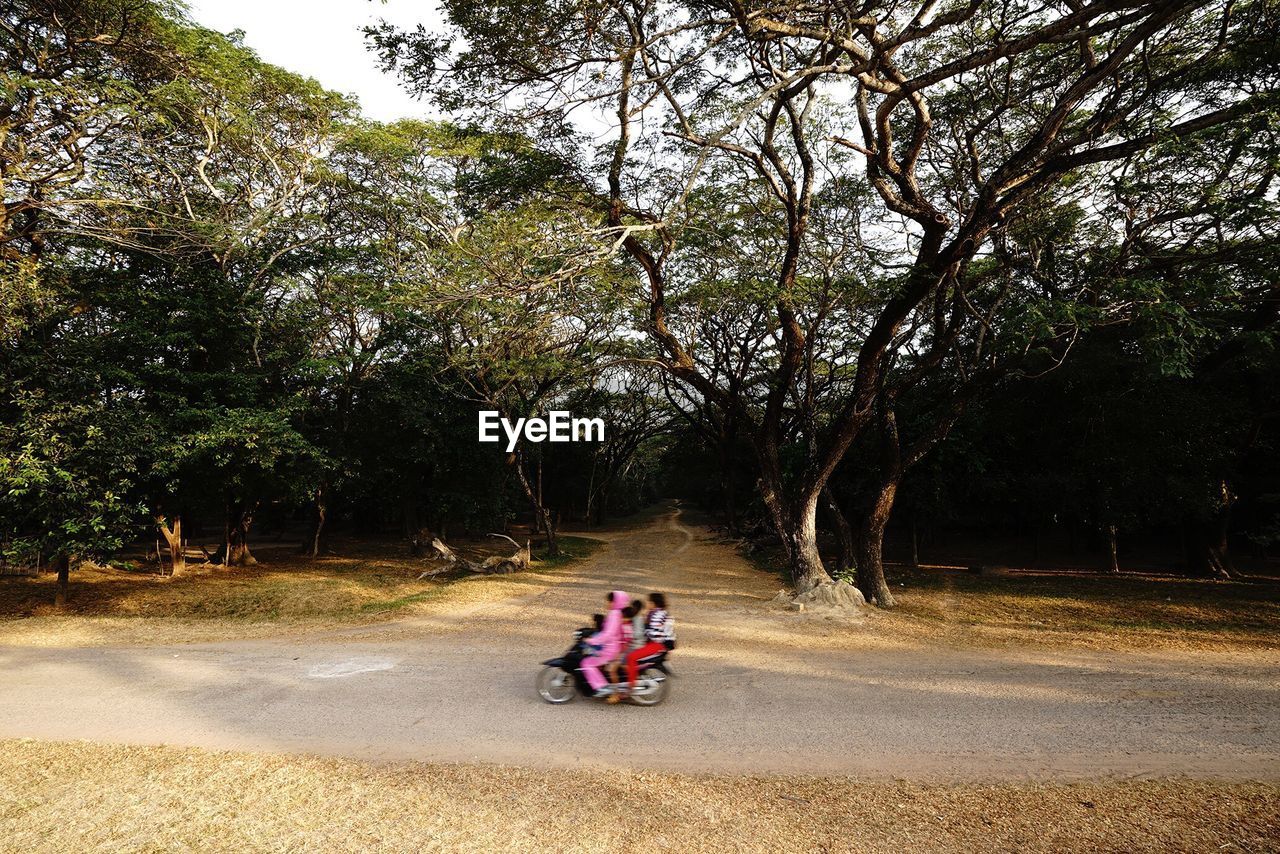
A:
x: 156, y: 180
x: 961, y: 116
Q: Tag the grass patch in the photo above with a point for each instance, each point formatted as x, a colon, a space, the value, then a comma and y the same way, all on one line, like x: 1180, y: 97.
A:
x: 367, y: 582
x: 1074, y: 609
x: 279, y: 589
x: 77, y: 796
x: 1101, y: 610
x: 396, y: 604
x: 572, y: 550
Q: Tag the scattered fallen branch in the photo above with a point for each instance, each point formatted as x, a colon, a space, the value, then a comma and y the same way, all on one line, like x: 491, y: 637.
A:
x: 444, y: 552
x: 516, y: 562
x: 494, y: 565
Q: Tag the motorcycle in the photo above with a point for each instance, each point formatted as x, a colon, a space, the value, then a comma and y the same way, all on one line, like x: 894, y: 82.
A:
x: 561, y: 679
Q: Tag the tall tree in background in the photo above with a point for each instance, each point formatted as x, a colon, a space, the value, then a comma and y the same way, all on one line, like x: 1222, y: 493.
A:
x: 787, y: 245
x: 155, y: 177
x: 527, y: 324
x: 962, y: 115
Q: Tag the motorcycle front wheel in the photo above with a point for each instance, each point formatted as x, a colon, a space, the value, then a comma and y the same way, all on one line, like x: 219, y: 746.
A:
x: 555, y: 686
x: 651, y: 689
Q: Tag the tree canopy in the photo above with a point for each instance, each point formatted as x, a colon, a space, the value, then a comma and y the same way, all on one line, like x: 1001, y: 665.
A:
x: 808, y: 261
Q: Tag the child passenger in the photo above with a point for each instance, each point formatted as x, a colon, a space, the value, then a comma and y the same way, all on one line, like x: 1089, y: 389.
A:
x: 659, y: 635
x: 632, y: 637
x: 593, y: 648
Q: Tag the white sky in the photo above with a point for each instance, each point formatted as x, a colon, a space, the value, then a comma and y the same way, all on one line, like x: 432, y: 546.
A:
x: 322, y: 39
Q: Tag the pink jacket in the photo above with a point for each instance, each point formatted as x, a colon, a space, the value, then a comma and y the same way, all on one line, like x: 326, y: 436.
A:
x: 609, y: 638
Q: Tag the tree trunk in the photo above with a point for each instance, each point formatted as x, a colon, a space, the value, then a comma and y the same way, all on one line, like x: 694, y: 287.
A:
x: 728, y: 485
x: 915, y: 543
x: 540, y: 502
x: 409, y: 517
x: 172, y: 533
x: 549, y: 531
x: 1220, y: 546
x: 1221, y: 554
x: 870, y: 574
x: 602, y: 505
x: 1207, y: 553
x: 542, y: 519
x: 1207, y: 544
x: 62, y: 564
x: 236, y: 550
x: 731, y: 504
x: 799, y: 538
x: 843, y: 531
x: 589, y: 515
x: 799, y: 533
x: 807, y: 569
x: 1113, y: 559
x: 322, y: 508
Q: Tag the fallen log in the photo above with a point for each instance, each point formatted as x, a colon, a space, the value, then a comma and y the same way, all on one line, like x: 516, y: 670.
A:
x: 444, y: 552
x: 493, y: 565
x: 503, y: 565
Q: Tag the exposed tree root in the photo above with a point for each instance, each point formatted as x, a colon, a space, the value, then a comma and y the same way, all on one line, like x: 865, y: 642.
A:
x: 836, y: 596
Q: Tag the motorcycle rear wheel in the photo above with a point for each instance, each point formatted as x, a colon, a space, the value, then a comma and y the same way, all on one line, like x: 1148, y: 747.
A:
x: 651, y: 696
x: 555, y: 685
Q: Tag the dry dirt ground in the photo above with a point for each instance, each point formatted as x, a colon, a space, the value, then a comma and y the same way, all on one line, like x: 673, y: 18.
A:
x: 757, y: 689
x: 80, y: 797
x: 782, y: 730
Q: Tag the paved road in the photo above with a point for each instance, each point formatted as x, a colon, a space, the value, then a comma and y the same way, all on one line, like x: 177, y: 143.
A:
x: 757, y: 690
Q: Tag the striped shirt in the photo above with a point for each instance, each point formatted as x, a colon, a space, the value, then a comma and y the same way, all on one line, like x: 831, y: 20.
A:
x: 659, y: 627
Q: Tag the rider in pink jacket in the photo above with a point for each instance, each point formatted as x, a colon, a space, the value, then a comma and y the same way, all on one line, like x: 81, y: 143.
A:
x: 608, y: 639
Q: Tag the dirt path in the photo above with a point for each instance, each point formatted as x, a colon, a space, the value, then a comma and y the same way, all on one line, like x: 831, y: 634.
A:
x: 757, y: 690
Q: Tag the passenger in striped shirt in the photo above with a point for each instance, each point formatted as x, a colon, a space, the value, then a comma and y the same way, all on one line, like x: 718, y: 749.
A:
x: 659, y: 635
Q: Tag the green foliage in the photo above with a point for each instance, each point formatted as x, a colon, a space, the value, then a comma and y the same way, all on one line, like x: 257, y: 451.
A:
x: 220, y: 289
x: 572, y: 550
x: 68, y: 477
x: 24, y: 296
